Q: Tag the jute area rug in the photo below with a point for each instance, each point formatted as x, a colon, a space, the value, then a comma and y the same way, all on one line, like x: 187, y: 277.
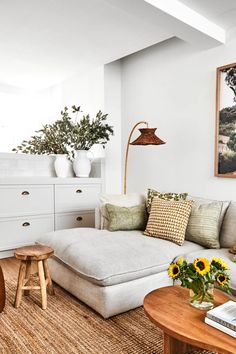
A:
x: 68, y: 327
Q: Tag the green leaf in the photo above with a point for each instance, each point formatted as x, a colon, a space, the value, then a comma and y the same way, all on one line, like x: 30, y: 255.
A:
x: 64, y: 135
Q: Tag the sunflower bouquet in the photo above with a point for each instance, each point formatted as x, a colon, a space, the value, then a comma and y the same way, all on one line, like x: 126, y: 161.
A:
x: 200, y: 276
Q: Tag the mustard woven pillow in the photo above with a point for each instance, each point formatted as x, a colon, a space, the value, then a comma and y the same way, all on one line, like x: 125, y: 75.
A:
x: 169, y: 219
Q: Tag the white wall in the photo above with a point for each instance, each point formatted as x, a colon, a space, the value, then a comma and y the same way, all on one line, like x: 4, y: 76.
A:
x: 172, y: 86
x: 24, y: 111
x: 112, y: 106
x: 86, y: 90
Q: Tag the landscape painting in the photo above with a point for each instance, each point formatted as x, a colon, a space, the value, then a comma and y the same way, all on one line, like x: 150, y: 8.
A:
x: 225, y: 149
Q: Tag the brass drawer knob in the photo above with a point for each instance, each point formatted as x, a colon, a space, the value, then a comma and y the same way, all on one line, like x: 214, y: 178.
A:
x: 79, y: 191
x: 79, y: 218
x: 25, y: 193
x: 26, y: 224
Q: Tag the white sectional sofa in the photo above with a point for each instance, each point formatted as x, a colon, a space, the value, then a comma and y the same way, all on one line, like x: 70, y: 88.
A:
x: 112, y: 271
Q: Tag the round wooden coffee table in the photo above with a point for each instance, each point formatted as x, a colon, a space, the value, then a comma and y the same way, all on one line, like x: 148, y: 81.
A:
x: 183, y: 326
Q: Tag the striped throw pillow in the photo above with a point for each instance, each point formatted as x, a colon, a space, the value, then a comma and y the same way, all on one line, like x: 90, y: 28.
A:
x: 204, y: 224
x: 168, y: 219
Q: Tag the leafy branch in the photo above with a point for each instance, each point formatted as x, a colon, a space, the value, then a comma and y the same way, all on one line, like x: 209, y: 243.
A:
x: 66, y: 135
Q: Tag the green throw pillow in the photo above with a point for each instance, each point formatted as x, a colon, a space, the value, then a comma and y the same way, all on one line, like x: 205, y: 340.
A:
x: 204, y: 224
x: 124, y: 218
x: 166, y: 196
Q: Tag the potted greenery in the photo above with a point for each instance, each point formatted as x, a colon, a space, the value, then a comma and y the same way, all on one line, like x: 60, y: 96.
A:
x: 66, y: 136
x: 88, y: 132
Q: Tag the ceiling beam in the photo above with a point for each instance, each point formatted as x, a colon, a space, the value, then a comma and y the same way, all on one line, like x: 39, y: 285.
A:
x: 188, y: 24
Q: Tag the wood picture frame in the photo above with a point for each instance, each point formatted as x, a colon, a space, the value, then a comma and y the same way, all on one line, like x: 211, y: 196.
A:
x: 225, y: 130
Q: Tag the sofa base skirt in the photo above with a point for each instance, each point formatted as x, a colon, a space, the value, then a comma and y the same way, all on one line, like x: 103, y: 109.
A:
x: 107, y: 300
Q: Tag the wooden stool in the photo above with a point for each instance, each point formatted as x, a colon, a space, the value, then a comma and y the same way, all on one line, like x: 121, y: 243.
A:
x: 34, y: 254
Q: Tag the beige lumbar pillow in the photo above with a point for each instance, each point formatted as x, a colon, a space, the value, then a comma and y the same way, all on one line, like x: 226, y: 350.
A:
x: 168, y: 219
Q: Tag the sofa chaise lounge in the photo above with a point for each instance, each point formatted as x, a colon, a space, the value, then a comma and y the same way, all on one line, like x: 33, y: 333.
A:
x: 112, y: 271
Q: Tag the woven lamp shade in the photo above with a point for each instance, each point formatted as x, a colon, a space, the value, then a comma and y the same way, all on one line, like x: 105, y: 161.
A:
x: 147, y: 137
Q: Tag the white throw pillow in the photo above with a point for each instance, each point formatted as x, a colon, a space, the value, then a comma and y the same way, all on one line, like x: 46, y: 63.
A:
x: 125, y: 200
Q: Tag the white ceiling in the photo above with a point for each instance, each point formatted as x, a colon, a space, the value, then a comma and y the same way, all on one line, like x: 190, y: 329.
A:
x: 42, y: 42
x: 222, y: 12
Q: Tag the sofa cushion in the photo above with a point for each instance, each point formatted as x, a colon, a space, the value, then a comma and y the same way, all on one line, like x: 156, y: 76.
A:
x: 201, y: 201
x: 204, y: 224
x: 165, y: 196
x: 168, y: 219
x: 123, y: 200
x: 124, y: 218
x: 108, y: 258
x: 228, y: 230
x: 220, y: 253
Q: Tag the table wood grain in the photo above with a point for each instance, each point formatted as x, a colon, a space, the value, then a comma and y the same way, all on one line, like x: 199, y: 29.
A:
x: 184, y: 327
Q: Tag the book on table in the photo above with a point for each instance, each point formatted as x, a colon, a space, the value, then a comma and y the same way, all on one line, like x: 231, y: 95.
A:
x: 223, y: 317
x: 224, y: 314
x: 220, y: 327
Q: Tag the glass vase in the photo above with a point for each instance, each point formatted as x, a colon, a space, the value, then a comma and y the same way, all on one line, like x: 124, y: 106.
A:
x: 203, y: 299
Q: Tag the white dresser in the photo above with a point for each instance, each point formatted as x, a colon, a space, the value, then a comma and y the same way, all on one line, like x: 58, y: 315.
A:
x: 30, y: 206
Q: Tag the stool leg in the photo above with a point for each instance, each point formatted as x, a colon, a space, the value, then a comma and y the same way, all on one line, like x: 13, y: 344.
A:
x: 27, y: 276
x: 48, y: 277
x: 42, y: 285
x: 21, y: 278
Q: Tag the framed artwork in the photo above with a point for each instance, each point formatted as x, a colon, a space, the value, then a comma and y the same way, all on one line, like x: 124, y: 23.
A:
x: 225, y: 144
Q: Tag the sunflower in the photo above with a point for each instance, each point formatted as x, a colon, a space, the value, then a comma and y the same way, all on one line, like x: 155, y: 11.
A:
x: 180, y: 261
x: 173, y: 270
x: 222, y: 279
x: 219, y: 263
x: 202, y: 266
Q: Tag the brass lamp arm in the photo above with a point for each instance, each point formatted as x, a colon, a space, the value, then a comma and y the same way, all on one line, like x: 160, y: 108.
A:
x: 127, y: 151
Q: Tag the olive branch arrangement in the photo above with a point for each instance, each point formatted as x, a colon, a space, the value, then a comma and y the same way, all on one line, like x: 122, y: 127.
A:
x: 66, y: 135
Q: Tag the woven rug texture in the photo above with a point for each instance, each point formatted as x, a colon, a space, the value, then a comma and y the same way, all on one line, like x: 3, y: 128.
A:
x: 70, y: 327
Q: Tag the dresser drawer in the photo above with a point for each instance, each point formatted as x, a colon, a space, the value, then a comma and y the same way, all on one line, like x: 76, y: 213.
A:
x: 76, y: 197
x: 16, y: 232
x: 72, y: 220
x: 26, y: 200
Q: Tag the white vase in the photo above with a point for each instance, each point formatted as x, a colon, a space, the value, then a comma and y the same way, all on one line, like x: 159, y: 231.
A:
x: 82, y: 164
x: 62, y: 166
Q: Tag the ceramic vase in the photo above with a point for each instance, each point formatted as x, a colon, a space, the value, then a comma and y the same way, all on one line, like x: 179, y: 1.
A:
x: 62, y: 166
x: 82, y: 164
